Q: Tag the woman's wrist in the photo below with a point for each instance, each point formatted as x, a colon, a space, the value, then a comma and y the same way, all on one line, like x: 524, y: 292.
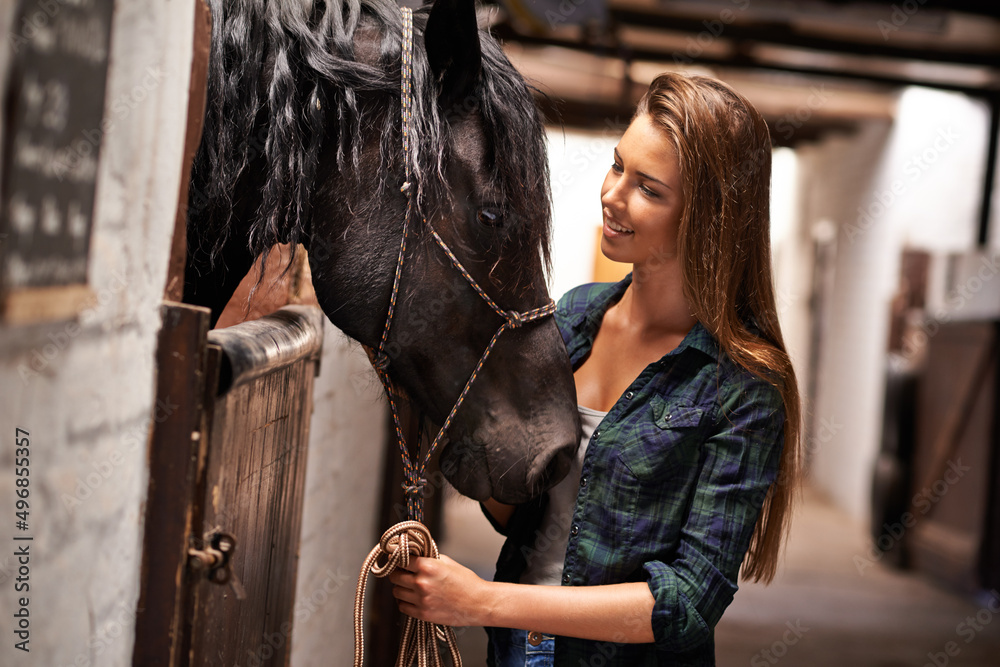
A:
x: 488, y: 602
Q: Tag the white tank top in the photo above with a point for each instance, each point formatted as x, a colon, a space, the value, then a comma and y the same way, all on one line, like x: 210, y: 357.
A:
x: 545, y: 561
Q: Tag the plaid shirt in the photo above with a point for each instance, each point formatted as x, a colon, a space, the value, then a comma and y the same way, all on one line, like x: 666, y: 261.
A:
x: 672, y: 483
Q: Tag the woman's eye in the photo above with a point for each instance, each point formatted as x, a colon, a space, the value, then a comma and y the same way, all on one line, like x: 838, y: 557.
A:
x: 490, y: 216
x: 617, y: 168
x: 648, y: 192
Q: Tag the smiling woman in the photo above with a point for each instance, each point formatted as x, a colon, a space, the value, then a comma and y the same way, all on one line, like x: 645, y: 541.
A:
x: 642, y: 197
x: 685, y: 473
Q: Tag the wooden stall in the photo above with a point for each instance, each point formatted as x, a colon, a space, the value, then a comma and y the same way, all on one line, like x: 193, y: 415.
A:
x: 227, y: 481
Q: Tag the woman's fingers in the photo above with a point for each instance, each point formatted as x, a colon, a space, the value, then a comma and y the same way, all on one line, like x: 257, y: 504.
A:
x: 403, y: 587
x: 402, y: 578
x: 404, y: 595
x: 437, y: 590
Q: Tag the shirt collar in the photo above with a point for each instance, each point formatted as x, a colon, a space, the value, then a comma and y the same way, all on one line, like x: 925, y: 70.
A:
x: 588, y: 321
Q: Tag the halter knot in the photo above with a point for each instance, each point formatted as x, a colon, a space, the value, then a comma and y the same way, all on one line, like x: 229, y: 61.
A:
x: 380, y: 361
x: 416, y: 488
x: 514, y: 318
x: 399, y: 543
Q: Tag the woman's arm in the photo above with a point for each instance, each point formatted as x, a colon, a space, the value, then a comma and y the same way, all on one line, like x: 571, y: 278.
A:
x: 443, y: 591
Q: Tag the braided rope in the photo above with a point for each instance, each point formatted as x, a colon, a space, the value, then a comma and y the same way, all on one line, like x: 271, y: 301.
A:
x: 406, y: 88
x: 406, y: 107
x: 381, y: 362
x: 398, y: 544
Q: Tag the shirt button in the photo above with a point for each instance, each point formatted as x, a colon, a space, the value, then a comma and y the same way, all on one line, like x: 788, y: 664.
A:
x: 565, y: 579
x: 629, y: 394
x: 575, y: 530
x: 597, y: 434
x: 583, y: 481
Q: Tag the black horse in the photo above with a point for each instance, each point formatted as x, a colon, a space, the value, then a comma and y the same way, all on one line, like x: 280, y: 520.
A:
x: 302, y: 144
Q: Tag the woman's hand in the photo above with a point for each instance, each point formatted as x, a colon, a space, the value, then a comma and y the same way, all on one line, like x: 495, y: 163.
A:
x: 441, y: 591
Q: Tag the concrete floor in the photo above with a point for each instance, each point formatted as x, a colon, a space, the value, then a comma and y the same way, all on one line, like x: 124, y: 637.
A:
x: 831, y: 604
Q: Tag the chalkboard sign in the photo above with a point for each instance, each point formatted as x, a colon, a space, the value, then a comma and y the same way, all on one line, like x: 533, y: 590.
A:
x: 54, y: 124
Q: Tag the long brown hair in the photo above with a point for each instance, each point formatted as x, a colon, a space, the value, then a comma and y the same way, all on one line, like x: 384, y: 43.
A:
x: 724, y: 149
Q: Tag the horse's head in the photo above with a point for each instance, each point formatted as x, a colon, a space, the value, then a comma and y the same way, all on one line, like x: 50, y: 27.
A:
x: 480, y: 180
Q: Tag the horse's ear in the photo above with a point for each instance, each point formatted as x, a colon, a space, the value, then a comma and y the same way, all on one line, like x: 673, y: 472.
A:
x: 453, y: 51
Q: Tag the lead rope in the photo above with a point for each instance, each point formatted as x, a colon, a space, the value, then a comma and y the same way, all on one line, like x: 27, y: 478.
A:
x: 419, y: 641
x: 412, y: 538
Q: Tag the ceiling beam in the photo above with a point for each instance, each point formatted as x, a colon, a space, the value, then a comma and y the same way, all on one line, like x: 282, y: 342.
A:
x: 600, y: 116
x: 776, y: 32
x: 742, y: 60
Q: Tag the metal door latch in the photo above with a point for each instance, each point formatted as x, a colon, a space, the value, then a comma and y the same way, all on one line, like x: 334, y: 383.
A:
x: 214, y: 560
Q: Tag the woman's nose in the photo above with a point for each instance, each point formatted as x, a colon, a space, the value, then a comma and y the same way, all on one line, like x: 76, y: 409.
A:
x: 612, y: 195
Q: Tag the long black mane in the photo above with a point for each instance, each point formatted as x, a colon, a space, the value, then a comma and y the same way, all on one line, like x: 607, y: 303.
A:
x: 285, y: 87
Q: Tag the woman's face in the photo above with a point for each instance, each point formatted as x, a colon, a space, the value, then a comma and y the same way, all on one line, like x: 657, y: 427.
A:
x: 642, y: 197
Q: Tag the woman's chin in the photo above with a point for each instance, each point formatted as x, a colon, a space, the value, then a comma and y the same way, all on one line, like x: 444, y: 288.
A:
x: 610, y: 250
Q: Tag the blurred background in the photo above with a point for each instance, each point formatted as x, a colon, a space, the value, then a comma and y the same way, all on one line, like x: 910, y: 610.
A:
x: 886, y: 248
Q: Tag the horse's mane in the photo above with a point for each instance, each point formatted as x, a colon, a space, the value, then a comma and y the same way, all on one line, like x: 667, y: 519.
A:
x: 283, y: 81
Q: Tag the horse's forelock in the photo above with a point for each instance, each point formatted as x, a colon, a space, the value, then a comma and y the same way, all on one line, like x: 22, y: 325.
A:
x: 295, y: 61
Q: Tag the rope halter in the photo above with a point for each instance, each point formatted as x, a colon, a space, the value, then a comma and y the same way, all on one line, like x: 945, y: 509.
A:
x: 411, y: 538
x: 414, y: 469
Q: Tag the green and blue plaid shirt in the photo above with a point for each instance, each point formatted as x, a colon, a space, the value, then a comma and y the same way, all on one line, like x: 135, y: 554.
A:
x: 672, y: 483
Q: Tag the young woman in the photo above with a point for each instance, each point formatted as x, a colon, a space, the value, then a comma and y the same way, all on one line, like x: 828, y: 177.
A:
x: 688, y: 464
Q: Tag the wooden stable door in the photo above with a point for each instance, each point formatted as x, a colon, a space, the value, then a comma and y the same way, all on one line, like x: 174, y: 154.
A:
x: 955, y: 494
x: 227, y: 478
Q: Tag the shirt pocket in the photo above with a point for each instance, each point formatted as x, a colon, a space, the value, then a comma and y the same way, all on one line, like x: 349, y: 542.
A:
x: 667, y: 448
x: 653, y: 471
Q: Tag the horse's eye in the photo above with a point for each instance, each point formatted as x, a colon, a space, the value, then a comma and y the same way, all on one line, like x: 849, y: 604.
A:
x: 490, y: 216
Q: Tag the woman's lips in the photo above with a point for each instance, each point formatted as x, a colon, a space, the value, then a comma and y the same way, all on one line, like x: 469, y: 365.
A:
x: 612, y: 229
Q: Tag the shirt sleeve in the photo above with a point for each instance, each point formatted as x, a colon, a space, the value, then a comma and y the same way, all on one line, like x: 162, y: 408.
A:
x: 568, y: 307
x: 738, y: 463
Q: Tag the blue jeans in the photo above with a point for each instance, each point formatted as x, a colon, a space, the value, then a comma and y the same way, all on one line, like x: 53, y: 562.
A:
x: 519, y: 648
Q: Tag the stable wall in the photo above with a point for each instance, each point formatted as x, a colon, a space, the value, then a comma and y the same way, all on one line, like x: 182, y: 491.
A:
x: 343, y: 491
x: 578, y: 162
x: 7, y: 11
x: 791, y: 259
x: 839, y: 177
x: 84, y: 389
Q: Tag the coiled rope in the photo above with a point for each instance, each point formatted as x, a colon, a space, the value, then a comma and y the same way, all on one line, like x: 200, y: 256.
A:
x: 419, y: 642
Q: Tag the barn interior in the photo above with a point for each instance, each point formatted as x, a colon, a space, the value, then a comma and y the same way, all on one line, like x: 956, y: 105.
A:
x: 884, y: 120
